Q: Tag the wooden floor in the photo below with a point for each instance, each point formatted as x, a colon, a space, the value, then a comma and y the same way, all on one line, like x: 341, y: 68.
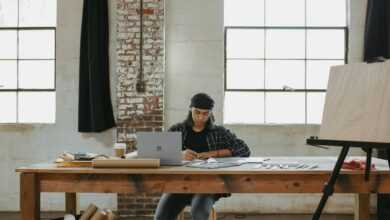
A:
x: 221, y: 216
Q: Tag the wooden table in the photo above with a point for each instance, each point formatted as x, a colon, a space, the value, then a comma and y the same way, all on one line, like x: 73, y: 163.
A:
x: 246, y: 178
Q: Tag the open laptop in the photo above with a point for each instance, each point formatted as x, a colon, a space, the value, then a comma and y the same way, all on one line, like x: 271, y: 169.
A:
x: 166, y: 146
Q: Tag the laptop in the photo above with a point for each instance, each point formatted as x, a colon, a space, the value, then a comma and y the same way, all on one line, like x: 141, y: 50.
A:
x: 166, y: 146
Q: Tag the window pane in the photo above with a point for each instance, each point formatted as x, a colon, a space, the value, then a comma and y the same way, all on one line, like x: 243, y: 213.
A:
x: 8, y: 13
x: 285, y: 13
x: 280, y: 73
x: 34, y: 74
x: 244, y: 107
x: 318, y: 73
x: 327, y: 13
x: 288, y: 44
x: 36, y: 44
x: 8, y: 75
x: 246, y: 43
x: 8, y: 42
x: 8, y: 107
x: 36, y: 107
x: 37, y: 13
x: 285, y: 107
x: 315, y: 107
x: 244, y: 12
x: 245, y: 74
x: 325, y: 44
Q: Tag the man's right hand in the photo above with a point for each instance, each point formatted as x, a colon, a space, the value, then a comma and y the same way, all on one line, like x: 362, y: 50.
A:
x: 189, y: 155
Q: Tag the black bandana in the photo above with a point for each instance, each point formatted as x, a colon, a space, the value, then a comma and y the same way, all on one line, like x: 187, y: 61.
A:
x: 202, y: 101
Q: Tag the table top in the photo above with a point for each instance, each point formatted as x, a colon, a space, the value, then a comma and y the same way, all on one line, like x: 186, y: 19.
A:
x: 321, y: 165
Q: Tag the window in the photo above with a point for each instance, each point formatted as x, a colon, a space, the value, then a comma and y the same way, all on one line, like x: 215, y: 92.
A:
x: 277, y: 58
x: 27, y: 61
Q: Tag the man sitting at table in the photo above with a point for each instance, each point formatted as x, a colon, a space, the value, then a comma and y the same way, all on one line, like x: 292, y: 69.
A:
x: 202, y: 139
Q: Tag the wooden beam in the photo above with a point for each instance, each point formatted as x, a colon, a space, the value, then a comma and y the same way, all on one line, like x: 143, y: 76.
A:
x: 29, y: 196
x: 195, y: 183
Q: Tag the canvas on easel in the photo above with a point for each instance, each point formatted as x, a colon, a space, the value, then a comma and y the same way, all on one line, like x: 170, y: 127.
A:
x: 357, y: 104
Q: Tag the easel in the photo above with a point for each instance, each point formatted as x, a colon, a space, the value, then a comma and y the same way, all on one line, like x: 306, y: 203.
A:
x: 356, y: 114
x: 329, y: 186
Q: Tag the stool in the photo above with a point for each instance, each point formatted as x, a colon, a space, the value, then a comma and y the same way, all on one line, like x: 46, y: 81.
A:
x: 213, y: 215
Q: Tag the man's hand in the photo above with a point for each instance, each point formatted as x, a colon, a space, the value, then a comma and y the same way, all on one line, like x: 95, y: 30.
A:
x: 205, y: 155
x: 189, y: 155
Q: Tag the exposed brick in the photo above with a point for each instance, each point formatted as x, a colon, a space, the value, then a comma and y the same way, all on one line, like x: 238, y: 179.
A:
x: 139, y: 111
x: 151, y: 206
x: 145, y: 129
x: 148, y: 118
x: 145, y: 200
x: 158, y: 118
x: 154, y: 124
x: 135, y: 206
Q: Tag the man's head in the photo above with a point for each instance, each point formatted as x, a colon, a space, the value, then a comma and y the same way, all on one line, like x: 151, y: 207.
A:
x: 202, y: 101
x: 201, y: 108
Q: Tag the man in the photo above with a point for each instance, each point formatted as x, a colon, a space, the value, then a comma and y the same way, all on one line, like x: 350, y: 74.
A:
x: 201, y: 140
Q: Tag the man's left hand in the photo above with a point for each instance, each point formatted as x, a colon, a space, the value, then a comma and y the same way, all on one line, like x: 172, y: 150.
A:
x: 205, y: 155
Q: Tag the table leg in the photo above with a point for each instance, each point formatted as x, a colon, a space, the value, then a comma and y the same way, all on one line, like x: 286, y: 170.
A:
x: 29, y: 196
x: 329, y: 186
x: 362, y: 206
x: 71, y: 203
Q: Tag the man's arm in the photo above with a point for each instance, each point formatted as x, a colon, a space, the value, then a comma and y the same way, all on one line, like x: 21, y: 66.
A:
x: 215, y: 153
x: 237, y: 146
x: 233, y: 146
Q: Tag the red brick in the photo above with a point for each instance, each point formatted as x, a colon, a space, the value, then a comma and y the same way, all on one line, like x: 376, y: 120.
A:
x: 130, y: 119
x: 145, y: 129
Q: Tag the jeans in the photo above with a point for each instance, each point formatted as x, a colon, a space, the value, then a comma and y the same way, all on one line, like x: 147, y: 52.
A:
x: 170, y: 205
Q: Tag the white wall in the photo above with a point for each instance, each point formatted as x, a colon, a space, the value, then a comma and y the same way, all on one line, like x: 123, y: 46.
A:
x: 194, y: 54
x: 26, y: 144
x: 195, y: 62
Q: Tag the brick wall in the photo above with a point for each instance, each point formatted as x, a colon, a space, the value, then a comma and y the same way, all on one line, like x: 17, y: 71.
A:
x: 139, y: 111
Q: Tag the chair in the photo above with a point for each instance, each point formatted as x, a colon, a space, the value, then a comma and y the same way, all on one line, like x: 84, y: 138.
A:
x: 213, y: 215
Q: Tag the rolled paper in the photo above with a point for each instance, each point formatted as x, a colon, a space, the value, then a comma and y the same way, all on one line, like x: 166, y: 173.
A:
x: 110, y: 214
x: 88, y: 213
x: 99, y: 215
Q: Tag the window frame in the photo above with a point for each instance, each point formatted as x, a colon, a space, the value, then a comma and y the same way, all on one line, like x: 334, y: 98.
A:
x: 265, y: 90
x: 19, y: 90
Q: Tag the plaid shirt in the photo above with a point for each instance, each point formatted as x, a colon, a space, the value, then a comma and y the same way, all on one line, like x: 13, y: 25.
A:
x: 217, y: 138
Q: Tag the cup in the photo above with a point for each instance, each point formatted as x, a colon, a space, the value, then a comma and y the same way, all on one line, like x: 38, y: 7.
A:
x: 120, y: 149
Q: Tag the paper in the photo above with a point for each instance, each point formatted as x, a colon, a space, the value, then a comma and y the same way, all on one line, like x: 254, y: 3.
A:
x: 213, y: 163
x: 255, y: 159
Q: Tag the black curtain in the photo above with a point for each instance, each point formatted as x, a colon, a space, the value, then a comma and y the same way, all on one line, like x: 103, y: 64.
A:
x: 95, y: 107
x: 383, y: 200
x: 377, y: 30
x: 377, y: 48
